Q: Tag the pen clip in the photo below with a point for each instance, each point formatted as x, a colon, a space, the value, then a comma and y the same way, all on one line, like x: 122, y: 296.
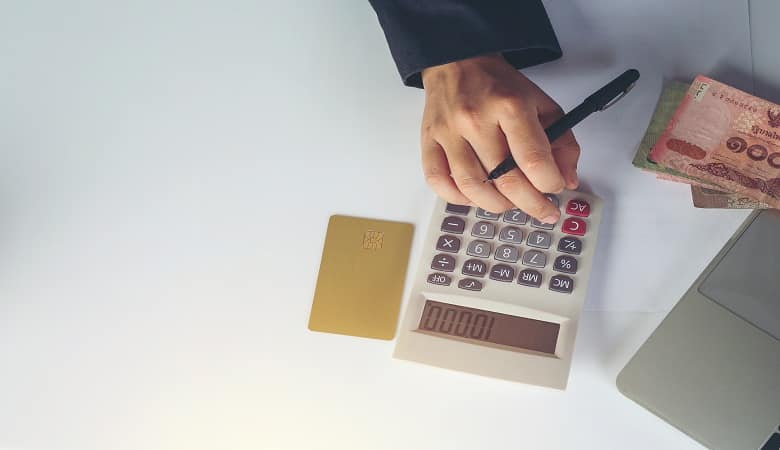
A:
x: 621, y: 95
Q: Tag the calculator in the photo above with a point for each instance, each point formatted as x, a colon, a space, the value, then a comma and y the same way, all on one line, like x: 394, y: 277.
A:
x: 500, y: 295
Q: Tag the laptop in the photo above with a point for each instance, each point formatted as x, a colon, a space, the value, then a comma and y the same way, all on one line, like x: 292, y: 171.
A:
x: 712, y: 368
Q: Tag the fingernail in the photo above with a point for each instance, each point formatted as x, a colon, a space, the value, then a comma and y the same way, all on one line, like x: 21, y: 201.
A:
x: 572, y: 181
x: 551, y: 218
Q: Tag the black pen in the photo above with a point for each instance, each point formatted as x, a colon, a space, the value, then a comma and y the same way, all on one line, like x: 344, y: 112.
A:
x: 599, y: 101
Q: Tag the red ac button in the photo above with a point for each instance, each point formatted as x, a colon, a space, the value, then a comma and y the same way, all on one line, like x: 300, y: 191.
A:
x: 578, y: 208
x: 573, y: 225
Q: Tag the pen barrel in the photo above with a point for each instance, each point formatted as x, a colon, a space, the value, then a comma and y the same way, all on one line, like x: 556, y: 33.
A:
x: 568, y: 121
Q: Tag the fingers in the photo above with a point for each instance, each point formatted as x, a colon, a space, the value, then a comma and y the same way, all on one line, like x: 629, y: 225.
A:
x: 492, y: 148
x: 437, y: 174
x: 469, y: 176
x: 530, y: 149
x: 565, y: 149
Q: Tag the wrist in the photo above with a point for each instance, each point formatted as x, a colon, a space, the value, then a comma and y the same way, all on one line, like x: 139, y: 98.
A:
x: 480, y: 63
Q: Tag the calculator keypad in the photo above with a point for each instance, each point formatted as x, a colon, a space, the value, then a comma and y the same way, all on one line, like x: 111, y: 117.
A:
x: 495, y: 251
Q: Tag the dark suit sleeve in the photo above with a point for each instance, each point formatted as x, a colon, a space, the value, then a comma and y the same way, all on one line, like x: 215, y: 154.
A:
x: 425, y: 33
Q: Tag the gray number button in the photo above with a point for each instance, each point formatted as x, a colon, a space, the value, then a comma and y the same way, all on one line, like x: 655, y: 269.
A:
x: 530, y: 277
x: 484, y: 230
x: 561, y: 283
x: 569, y: 244
x: 534, y: 258
x: 452, y: 224
x: 512, y: 235
x: 565, y: 264
x: 474, y: 268
x: 544, y: 226
x: 462, y: 210
x: 443, y: 262
x: 539, y: 239
x: 479, y: 248
x: 439, y: 278
x: 507, y: 253
x: 470, y: 284
x: 515, y: 216
x: 502, y: 272
x: 554, y: 199
x: 482, y: 214
x: 448, y: 243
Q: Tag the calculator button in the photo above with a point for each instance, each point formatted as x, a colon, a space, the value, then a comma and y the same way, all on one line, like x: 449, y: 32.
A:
x: 573, y: 225
x: 539, y: 239
x: 554, y: 199
x: 483, y: 230
x: 534, y: 258
x: 443, y: 262
x: 479, y: 248
x: 566, y: 264
x: 570, y: 244
x: 439, y: 278
x: 561, y: 283
x: 578, y: 207
x: 482, y: 214
x: 507, y: 253
x: 502, y: 272
x: 462, y: 210
x: 512, y: 235
x: 470, y: 284
x: 474, y: 268
x: 529, y: 277
x: 544, y: 226
x: 448, y: 243
x: 516, y: 217
x: 452, y: 224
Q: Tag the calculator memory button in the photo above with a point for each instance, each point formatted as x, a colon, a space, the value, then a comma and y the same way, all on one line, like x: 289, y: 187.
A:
x: 482, y: 214
x: 445, y: 263
x: 529, y: 277
x: 480, y: 249
x: 539, y: 239
x: 511, y: 235
x: 573, y: 225
x: 474, y: 268
x: 565, y: 264
x: 570, y: 244
x: 502, y: 272
x: 470, y: 284
x: 440, y: 279
x: 447, y: 243
x: 561, y: 283
x: 507, y: 253
x: 516, y: 217
x: 544, y: 226
x: 452, y: 224
x: 462, y: 210
x: 484, y: 230
x: 534, y: 258
x: 577, y: 207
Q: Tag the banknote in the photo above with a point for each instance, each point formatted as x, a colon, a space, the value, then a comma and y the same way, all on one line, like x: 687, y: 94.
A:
x: 727, y: 137
x: 709, y: 198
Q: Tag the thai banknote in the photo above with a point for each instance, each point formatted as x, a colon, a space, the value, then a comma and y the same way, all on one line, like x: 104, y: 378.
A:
x: 709, y: 198
x: 726, y: 137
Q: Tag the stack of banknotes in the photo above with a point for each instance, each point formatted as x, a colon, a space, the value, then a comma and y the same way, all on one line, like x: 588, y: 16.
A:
x: 724, y: 142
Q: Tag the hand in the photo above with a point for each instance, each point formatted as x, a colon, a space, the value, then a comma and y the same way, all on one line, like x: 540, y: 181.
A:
x: 478, y: 111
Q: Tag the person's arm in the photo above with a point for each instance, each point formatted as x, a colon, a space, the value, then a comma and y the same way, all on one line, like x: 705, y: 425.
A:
x: 478, y: 107
x: 426, y: 33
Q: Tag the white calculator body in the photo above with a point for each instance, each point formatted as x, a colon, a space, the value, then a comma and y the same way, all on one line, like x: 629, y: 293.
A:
x: 500, y: 295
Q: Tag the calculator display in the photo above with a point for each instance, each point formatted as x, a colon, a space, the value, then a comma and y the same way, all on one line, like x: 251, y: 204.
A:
x: 486, y: 326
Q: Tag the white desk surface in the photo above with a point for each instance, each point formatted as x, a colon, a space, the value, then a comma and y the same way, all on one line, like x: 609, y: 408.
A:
x: 158, y: 251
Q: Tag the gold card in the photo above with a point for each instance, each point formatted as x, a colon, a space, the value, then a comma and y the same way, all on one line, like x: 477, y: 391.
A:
x: 361, y: 279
